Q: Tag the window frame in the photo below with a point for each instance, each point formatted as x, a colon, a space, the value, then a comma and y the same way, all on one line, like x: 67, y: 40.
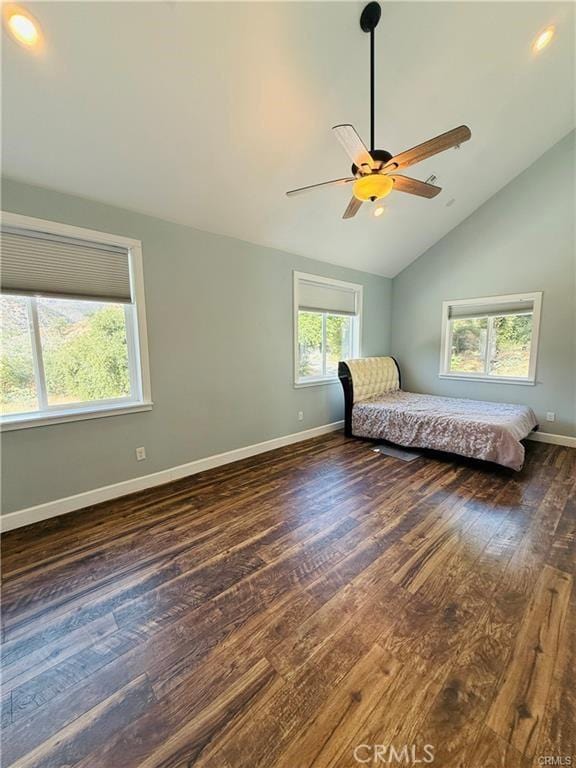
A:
x: 356, y: 332
x: 140, y: 398
x: 445, y: 346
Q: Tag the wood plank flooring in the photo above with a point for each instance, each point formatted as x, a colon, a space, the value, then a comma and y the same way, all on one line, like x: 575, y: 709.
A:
x: 293, y: 607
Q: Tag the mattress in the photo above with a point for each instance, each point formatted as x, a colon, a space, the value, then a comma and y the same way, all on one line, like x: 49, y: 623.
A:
x: 474, y: 428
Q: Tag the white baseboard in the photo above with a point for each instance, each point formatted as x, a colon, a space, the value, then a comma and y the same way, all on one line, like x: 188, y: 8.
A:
x: 548, y: 437
x: 71, y: 503
x: 87, y: 498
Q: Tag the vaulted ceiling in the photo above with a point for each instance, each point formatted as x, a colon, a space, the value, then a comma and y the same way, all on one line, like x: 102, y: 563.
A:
x: 206, y: 113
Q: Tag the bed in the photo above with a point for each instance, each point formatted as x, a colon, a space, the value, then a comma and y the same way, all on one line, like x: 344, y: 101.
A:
x: 376, y: 407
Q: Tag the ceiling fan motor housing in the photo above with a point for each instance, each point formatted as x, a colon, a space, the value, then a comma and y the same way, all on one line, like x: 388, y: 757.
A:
x: 379, y: 155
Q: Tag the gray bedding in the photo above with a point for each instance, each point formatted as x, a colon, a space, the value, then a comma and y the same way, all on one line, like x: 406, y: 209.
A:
x: 474, y: 428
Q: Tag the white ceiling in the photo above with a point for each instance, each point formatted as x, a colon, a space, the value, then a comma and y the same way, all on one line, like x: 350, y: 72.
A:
x: 206, y: 113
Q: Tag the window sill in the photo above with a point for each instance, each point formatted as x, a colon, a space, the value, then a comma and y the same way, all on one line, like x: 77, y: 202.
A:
x: 9, y: 424
x: 316, y: 382
x: 490, y: 379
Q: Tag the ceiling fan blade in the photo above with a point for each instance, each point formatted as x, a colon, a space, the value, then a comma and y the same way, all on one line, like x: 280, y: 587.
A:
x: 414, y: 186
x: 428, y: 148
x: 353, y: 146
x: 333, y: 183
x: 353, y: 208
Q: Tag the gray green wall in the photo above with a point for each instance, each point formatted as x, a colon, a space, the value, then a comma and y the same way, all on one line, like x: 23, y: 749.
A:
x: 219, y: 315
x: 521, y: 240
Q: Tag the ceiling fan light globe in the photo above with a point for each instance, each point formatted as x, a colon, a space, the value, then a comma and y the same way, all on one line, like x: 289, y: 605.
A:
x: 372, y: 187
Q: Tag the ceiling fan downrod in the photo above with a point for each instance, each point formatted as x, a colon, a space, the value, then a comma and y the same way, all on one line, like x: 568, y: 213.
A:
x: 368, y: 23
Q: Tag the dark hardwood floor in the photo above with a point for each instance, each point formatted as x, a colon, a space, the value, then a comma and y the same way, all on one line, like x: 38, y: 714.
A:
x: 286, y: 609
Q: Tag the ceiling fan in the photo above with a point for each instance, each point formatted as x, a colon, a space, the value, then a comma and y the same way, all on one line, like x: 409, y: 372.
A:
x: 375, y: 173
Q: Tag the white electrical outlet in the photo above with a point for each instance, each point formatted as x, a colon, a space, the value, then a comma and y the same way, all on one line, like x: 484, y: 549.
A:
x: 140, y: 454
x: 300, y: 415
x: 550, y: 416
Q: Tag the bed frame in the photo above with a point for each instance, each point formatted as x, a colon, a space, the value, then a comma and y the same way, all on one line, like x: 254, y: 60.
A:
x: 346, y: 378
x: 365, y: 378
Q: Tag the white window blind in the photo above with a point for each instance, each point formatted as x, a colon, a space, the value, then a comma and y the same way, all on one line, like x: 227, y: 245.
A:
x: 41, y: 264
x: 491, y: 309
x: 321, y: 297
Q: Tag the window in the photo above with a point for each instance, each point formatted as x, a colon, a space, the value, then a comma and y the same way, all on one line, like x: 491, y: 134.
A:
x: 326, y: 327
x: 72, y: 325
x: 492, y: 339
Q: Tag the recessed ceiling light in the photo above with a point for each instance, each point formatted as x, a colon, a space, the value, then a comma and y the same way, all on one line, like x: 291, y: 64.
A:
x: 543, y: 39
x: 22, y: 26
x: 379, y: 210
